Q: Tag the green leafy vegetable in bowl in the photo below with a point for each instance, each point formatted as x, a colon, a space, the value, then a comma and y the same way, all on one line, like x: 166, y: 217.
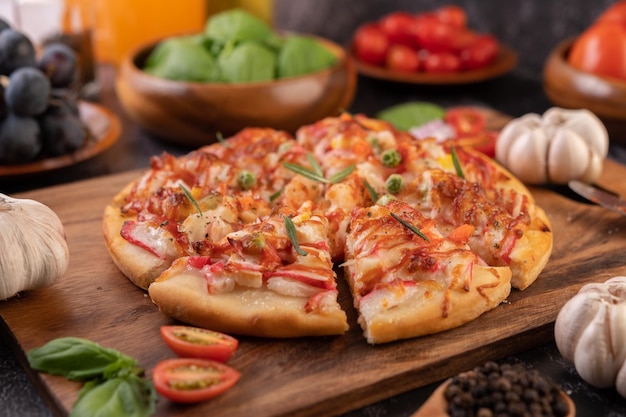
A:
x: 237, y: 47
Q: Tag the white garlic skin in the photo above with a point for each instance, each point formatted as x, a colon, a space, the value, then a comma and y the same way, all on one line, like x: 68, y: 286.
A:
x: 33, y: 247
x: 590, y: 331
x: 560, y: 146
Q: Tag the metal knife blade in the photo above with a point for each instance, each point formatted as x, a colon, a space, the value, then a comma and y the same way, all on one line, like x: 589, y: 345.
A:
x: 599, y: 196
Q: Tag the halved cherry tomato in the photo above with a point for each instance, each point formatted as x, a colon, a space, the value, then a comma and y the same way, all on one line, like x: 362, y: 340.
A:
x: 614, y: 13
x: 370, y: 44
x: 402, y: 58
x: 190, y: 380
x: 466, y: 121
x: 194, y: 342
x: 484, y: 142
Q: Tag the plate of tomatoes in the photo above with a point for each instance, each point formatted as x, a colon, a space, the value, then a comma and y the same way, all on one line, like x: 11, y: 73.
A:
x: 434, y: 47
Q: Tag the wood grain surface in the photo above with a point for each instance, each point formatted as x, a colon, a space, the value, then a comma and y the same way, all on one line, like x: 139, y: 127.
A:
x: 323, y: 376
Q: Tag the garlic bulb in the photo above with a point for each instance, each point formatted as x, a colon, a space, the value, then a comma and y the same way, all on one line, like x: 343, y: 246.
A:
x: 560, y: 146
x: 590, y: 331
x: 33, y: 249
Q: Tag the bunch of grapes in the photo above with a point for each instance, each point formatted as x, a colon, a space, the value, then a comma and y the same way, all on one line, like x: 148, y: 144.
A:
x: 39, y: 114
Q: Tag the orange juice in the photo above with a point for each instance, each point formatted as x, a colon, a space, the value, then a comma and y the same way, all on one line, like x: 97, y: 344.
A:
x: 122, y: 25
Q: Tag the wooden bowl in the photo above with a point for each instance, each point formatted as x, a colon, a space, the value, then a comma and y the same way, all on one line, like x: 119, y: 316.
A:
x: 191, y: 114
x: 569, y: 87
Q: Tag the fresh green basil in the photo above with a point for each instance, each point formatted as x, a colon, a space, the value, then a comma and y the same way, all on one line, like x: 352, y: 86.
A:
x: 237, y: 25
x: 78, y: 359
x: 303, y: 55
x: 183, y: 59
x: 129, y: 396
x: 113, y: 382
x: 407, y: 115
x: 247, y: 62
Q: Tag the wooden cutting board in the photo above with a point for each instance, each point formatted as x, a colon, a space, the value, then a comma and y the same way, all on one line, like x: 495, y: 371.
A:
x: 310, y: 376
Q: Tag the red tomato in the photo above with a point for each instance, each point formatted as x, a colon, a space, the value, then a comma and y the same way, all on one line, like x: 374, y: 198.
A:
x: 466, y: 121
x: 615, y: 13
x: 190, y: 380
x: 193, y: 342
x: 402, y: 58
x: 463, y: 39
x: 371, y: 44
x: 432, y: 34
x: 442, y: 62
x: 399, y: 27
x: 601, y: 50
x: 452, y: 15
x: 484, y: 142
x: 482, y: 52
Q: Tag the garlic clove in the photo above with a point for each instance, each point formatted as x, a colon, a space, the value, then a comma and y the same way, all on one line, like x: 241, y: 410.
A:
x: 584, y: 123
x: 33, y: 248
x: 532, y: 144
x: 568, y: 157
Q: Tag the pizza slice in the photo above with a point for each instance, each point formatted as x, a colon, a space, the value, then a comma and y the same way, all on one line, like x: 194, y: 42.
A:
x: 509, y: 229
x: 409, y: 279
x: 272, y: 278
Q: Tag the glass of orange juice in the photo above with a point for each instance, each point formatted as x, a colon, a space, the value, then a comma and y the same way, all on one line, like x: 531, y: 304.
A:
x: 120, y: 26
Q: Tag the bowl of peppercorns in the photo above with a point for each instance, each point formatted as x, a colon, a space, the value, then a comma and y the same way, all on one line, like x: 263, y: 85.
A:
x: 493, y: 389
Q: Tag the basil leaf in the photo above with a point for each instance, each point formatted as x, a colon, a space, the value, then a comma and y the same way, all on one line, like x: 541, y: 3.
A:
x: 236, y: 25
x: 407, y: 115
x: 130, y: 396
x: 183, y: 59
x: 303, y: 55
x: 78, y: 359
x: 248, y: 62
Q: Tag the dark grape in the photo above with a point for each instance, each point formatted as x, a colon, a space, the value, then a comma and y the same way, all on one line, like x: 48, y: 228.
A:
x: 16, y: 51
x: 20, y: 139
x: 28, y: 92
x: 3, y: 106
x: 4, y: 25
x: 62, y: 132
x: 58, y: 62
x: 63, y: 99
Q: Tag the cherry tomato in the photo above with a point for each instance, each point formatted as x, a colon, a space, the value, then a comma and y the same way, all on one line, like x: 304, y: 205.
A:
x: 452, y: 15
x: 442, y: 62
x: 371, y: 44
x: 194, y: 342
x: 433, y: 34
x: 601, y: 50
x: 399, y: 27
x: 466, y: 121
x: 484, y: 142
x: 190, y: 380
x: 402, y: 58
x: 482, y: 52
x: 463, y: 39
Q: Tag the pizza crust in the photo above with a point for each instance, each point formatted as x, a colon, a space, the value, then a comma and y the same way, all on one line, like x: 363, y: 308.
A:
x: 419, y: 315
x: 251, y: 312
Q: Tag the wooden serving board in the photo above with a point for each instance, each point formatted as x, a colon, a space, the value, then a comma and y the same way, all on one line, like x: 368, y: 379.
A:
x: 322, y: 376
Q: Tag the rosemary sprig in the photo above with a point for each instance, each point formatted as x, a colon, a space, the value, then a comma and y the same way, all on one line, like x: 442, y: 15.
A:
x: 457, y: 164
x: 409, y: 226
x: 291, y: 233
x: 372, y: 192
x: 316, y: 173
x: 221, y: 140
x: 190, y: 197
x: 275, y: 195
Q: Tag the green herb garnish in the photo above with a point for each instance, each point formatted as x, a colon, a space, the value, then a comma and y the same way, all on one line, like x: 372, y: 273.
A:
x: 457, y: 164
x: 291, y: 233
x: 221, y: 140
x: 276, y: 195
x: 316, y: 173
x: 409, y: 226
x: 372, y: 192
x: 190, y: 197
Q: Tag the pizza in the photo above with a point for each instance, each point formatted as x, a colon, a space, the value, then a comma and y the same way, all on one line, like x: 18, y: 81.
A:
x: 251, y: 235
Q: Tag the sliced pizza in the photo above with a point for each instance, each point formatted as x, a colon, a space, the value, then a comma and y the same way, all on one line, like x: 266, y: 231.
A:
x: 409, y: 279
x: 273, y: 278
